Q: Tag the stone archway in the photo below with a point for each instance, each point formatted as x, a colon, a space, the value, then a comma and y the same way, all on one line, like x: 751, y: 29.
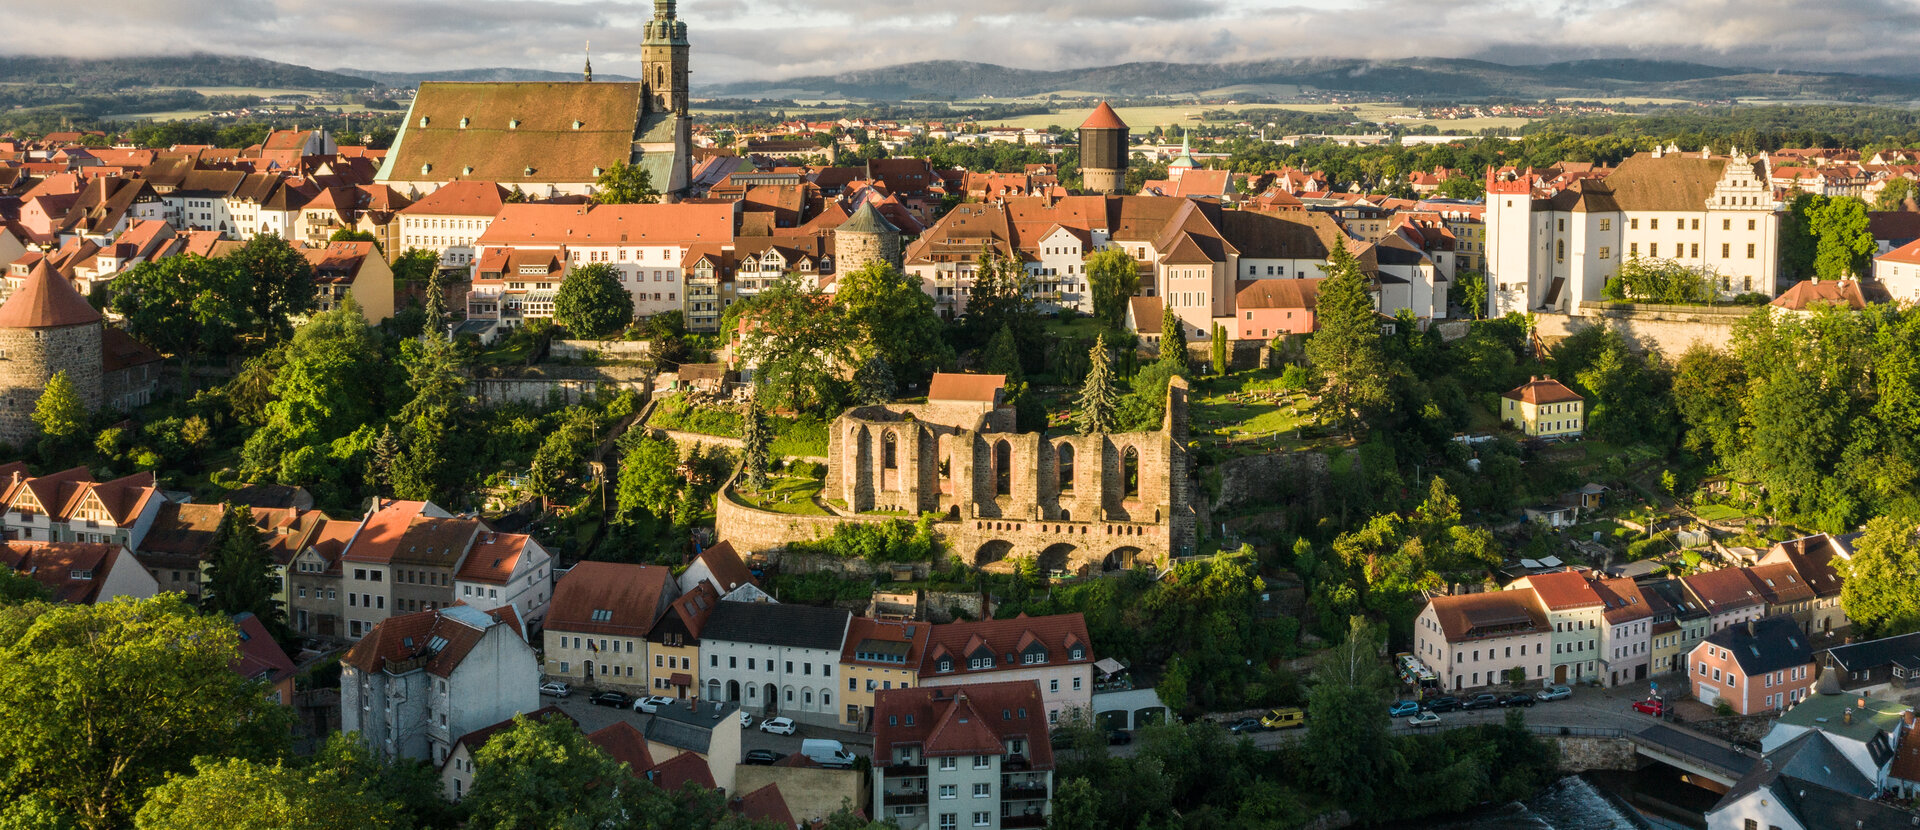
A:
x: 991, y: 552
x: 1057, y: 557
x: 1120, y: 559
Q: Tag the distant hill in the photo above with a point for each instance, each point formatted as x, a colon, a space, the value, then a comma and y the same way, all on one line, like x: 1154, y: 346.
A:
x: 199, y: 70
x: 1420, y: 78
x: 498, y: 74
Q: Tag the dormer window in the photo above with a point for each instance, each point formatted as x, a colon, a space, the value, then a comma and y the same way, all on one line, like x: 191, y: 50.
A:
x: 946, y: 665
x: 426, y: 168
x: 602, y: 615
x: 578, y: 124
x: 513, y: 124
x: 467, y: 170
x: 597, y: 172
x: 528, y: 171
x: 463, y: 123
x: 423, y: 121
x: 1076, y: 653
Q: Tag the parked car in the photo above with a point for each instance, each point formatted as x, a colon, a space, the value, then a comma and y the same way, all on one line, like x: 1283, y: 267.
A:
x: 1484, y: 700
x: 651, y: 703
x: 614, y: 699
x: 1517, y: 699
x: 777, y: 726
x: 1555, y: 693
x: 1423, y: 719
x: 1244, y: 726
x: 746, y: 720
x: 556, y: 689
x: 762, y: 757
x: 1117, y: 737
x: 1403, y: 708
x: 1287, y: 718
x: 1650, y: 706
x: 826, y: 753
x: 1443, y: 704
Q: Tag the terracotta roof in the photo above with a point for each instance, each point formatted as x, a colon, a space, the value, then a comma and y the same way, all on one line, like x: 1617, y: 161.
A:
x: 1543, y: 390
x: 50, y: 492
x: 679, y: 771
x: 119, y: 351
x: 687, y: 616
x: 1147, y: 314
x: 479, y: 737
x: 183, y: 529
x: 764, y: 804
x: 522, y: 224
x: 260, y: 657
x: 902, y: 643
x: 59, y: 567
x: 1058, y: 634
x: 953, y: 386
x: 123, y: 498
x: 1564, y: 590
x: 45, y: 301
x: 975, y: 719
x: 380, y: 536
x: 1780, y: 584
x: 1279, y: 293
x: 1906, y: 759
x: 1624, y: 601
x: 1813, y: 556
x: 625, y: 744
x: 1103, y: 118
x: 1807, y: 293
x: 453, y: 126
x: 609, y: 598
x: 460, y: 199
x: 1490, y: 614
x: 441, y: 637
x: 493, y: 557
x: 728, y: 571
x: 1723, y: 590
x: 435, y: 542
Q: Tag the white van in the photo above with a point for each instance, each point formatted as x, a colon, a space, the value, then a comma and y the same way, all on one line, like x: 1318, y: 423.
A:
x: 826, y: 753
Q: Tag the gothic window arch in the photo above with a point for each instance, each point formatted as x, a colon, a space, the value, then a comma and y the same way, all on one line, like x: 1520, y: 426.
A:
x: 1002, y: 468
x: 1130, y: 472
x: 1063, y: 463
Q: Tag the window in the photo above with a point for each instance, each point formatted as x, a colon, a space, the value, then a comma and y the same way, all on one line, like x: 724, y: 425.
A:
x: 1750, y: 226
x: 949, y: 821
x: 949, y: 791
x: 1606, y: 252
x: 1076, y: 684
x: 1653, y: 224
x: 1606, y: 224
x: 1053, y: 685
x: 982, y: 819
x: 982, y: 790
x: 1749, y: 250
x: 949, y: 763
x: 980, y: 762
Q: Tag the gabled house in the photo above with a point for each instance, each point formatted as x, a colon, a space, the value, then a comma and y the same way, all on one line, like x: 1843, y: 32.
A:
x: 1679, y: 622
x: 721, y: 567
x: 1812, y: 557
x: 1868, y: 666
x: 673, y: 645
x: 976, y: 755
x: 1626, y: 651
x: 83, y: 573
x: 262, y: 659
x: 774, y: 658
x: 1728, y: 595
x: 1803, y: 784
x: 706, y: 730
x: 1577, y: 615
x: 352, y: 269
x: 1544, y: 408
x: 1861, y: 729
x: 596, y: 627
x: 1053, y: 651
x: 1753, y: 667
x: 1474, y: 640
x: 456, y: 772
x: 417, y: 683
x: 879, y: 655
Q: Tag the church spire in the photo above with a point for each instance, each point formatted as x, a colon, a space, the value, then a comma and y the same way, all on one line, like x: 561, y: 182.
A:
x: 589, y: 72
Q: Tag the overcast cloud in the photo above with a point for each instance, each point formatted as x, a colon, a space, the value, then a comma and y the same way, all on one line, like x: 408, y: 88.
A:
x: 773, y: 39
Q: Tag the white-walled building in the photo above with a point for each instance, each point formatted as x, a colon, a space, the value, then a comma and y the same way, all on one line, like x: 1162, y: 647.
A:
x: 419, y: 682
x: 774, y: 659
x: 1474, y: 640
x: 1053, y: 651
x: 1577, y: 615
x: 449, y: 221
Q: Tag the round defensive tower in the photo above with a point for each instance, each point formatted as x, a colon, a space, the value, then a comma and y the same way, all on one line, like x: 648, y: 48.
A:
x: 1103, y: 152
x: 866, y: 237
x: 45, y: 327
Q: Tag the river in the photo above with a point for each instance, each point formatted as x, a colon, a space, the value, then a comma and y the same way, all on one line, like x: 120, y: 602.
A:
x: 1576, y: 802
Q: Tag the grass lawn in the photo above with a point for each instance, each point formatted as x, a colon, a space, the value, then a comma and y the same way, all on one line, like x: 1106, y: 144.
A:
x: 799, y: 438
x: 1720, y: 513
x: 793, y: 495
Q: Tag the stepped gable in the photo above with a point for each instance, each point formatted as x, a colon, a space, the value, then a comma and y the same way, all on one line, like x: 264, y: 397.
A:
x: 45, y: 301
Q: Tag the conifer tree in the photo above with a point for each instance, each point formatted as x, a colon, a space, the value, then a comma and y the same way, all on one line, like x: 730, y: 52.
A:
x: 1346, y: 350
x: 60, y: 413
x: 1219, y: 350
x: 240, y: 571
x: 1097, y: 399
x: 1003, y: 356
x: 756, y: 443
x: 1173, y: 341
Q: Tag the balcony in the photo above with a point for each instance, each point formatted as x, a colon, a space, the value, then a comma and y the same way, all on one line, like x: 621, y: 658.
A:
x: 1016, y: 763
x: 904, y: 797
x: 903, y: 770
x: 1023, y: 791
x: 1033, y: 819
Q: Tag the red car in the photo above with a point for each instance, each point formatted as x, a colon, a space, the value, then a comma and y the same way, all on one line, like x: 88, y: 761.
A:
x: 1650, y: 706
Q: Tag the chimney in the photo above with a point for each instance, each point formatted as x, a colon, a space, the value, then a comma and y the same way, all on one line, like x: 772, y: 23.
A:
x: 1847, y: 716
x: 1753, y: 628
x: 1860, y: 702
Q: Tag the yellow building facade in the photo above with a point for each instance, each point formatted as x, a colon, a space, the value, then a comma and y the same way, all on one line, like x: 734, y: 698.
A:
x: 1544, y: 408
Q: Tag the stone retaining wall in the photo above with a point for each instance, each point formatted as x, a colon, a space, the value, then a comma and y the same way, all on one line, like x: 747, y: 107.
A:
x: 1585, y: 754
x: 1670, y: 330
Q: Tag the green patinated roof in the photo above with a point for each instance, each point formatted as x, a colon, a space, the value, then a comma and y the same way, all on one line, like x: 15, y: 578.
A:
x: 866, y: 220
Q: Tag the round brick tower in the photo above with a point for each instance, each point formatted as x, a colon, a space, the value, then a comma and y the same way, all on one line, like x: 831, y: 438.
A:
x: 45, y: 327
x: 1103, y: 152
x: 865, y: 237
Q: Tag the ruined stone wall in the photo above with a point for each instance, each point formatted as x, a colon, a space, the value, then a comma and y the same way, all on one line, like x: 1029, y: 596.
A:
x: 29, y: 358
x: 1667, y: 329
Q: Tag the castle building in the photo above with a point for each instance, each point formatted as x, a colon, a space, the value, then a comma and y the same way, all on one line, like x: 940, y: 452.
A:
x: 1103, y: 152
x: 866, y: 237
x: 46, y: 327
x: 553, y: 138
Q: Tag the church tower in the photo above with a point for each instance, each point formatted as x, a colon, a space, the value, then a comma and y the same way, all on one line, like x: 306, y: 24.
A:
x: 663, y: 60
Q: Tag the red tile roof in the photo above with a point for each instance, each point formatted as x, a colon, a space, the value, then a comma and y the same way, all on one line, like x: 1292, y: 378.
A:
x: 727, y: 569
x: 1812, y: 556
x: 1279, y: 293
x: 626, y: 596
x: 680, y: 224
x: 625, y: 744
x: 1490, y: 614
x: 1058, y: 634
x: 1807, y: 293
x: 1723, y: 590
x: 1543, y: 390
x: 59, y: 566
x: 407, y: 637
x: 687, y: 615
x: 679, y: 771
x: 460, y: 198
x: 380, y: 537
x: 764, y: 804
x: 954, y: 386
x: 1780, y: 583
x: 976, y: 719
x: 493, y: 557
x: 1564, y: 590
x: 1906, y: 760
x: 260, y: 657
x: 866, y: 635
x: 1624, y: 601
x: 45, y: 301
x: 1103, y: 118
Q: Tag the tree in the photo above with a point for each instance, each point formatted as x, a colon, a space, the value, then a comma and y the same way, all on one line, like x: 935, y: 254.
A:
x: 1630, y: 402
x: 1878, y: 592
x: 1003, y: 356
x: 999, y: 298
x: 1845, y: 243
x: 1097, y: 400
x: 667, y: 340
x: 434, y: 310
x: 1076, y: 806
x: 1469, y: 292
x: 1349, y: 750
x: 184, y: 305
x: 328, y: 388
x: 1660, y: 281
x: 1894, y: 194
x: 895, y: 320
x: 240, y: 570
x: 873, y: 382
x: 756, y: 443
x: 1173, y: 340
x: 591, y: 303
x: 17, y: 588
x: 1346, y: 350
x: 649, y: 476
x: 1798, y: 241
x: 1113, y: 277
x: 351, y: 235
x: 1708, y: 385
x: 1220, y: 354
x: 625, y: 184
x: 545, y: 774
x: 798, y: 343
x: 60, y: 413
x: 279, y: 282
x: 246, y: 795
x: 103, y: 701
x: 416, y: 265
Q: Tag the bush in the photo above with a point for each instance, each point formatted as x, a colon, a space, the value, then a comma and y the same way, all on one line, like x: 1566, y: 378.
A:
x: 1296, y: 378
x: 1723, y: 709
x: 1653, y: 546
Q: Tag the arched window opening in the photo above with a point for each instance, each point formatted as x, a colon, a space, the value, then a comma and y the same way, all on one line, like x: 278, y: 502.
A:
x: 1002, y: 469
x: 1130, y: 470
x: 1064, y: 458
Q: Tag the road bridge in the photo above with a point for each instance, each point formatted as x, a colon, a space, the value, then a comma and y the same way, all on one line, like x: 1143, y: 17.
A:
x: 1703, y: 758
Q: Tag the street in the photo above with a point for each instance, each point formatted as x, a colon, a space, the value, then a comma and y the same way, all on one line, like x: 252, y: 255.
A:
x: 592, y: 718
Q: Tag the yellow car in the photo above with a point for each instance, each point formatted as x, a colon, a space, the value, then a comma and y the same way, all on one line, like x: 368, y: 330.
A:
x: 1284, y: 719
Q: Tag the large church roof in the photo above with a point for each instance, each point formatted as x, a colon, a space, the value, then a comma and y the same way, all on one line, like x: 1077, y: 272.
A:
x: 497, y: 132
x: 46, y: 301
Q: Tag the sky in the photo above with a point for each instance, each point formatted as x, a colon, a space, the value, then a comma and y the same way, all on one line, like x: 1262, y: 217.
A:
x: 735, y: 40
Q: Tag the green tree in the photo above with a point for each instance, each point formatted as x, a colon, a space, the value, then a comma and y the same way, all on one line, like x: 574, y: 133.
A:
x: 1003, y: 356
x: 1844, y: 242
x: 546, y: 775
x: 1095, y: 413
x: 103, y: 701
x: 1076, y: 806
x: 625, y: 184
x: 895, y: 320
x: 351, y: 235
x: 1173, y: 341
x: 184, y: 305
x: 416, y: 265
x: 999, y: 298
x: 279, y: 282
x: 1469, y: 291
x: 1894, y: 195
x: 328, y: 387
x: 237, y: 794
x: 591, y: 303
x: 1348, y: 749
x: 756, y: 443
x: 17, y: 588
x: 1630, y: 399
x: 1113, y: 277
x: 60, y: 413
x: 649, y: 476
x: 1798, y: 242
x: 874, y: 383
x: 798, y: 345
x: 1878, y: 592
x: 1220, y: 354
x: 240, y: 570
x: 1346, y: 350
x: 1708, y: 385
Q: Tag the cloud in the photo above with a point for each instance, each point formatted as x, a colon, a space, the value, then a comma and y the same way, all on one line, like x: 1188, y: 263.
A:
x: 771, y: 39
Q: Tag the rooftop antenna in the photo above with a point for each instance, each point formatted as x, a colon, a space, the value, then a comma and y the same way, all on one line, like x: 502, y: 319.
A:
x: 589, y: 72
